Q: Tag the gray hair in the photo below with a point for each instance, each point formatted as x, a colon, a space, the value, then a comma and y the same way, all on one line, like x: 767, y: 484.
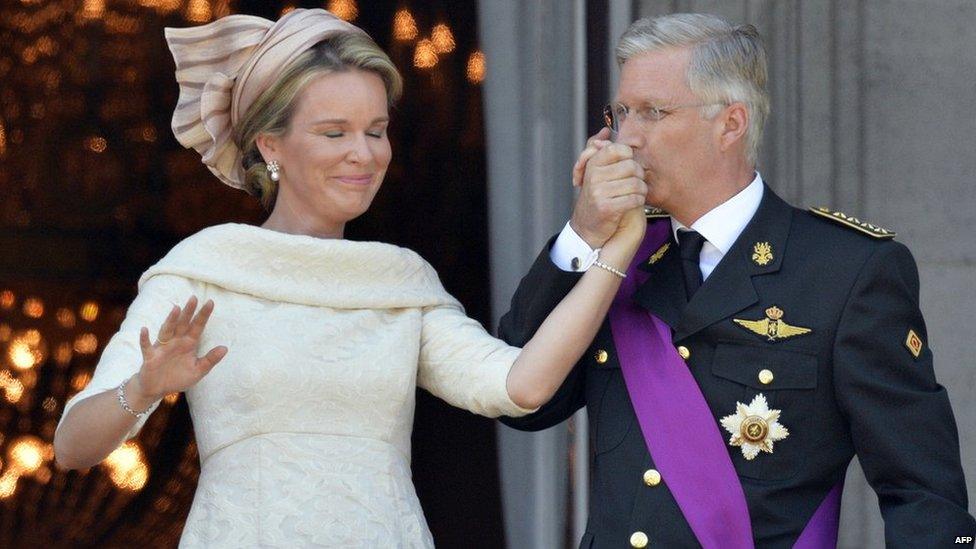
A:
x: 728, y: 63
x: 271, y: 113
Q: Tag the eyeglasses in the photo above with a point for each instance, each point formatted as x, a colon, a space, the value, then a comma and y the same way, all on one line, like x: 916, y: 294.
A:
x: 614, y: 114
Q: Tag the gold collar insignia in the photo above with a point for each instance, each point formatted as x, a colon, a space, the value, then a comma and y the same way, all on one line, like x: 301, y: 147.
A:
x: 762, y: 253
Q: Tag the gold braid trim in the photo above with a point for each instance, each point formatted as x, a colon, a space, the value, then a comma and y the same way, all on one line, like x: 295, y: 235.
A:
x: 854, y: 223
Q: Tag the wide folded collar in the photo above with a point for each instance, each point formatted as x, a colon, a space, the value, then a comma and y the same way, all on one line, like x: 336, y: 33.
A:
x: 303, y: 269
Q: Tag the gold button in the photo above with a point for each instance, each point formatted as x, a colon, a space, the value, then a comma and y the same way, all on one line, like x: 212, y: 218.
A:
x: 638, y: 540
x: 652, y: 477
x: 601, y: 356
x: 765, y: 377
x: 684, y: 352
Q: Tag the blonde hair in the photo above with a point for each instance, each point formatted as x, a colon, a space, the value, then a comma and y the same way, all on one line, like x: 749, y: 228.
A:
x: 728, y: 63
x: 272, y: 112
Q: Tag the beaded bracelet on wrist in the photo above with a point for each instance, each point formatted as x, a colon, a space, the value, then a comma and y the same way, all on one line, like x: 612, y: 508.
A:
x: 120, y: 392
x: 613, y: 270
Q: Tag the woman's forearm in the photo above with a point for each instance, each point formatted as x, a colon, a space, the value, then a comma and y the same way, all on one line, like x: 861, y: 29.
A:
x: 563, y: 337
x: 96, y: 426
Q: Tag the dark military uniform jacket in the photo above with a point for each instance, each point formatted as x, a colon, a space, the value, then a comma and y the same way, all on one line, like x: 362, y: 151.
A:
x: 851, y: 385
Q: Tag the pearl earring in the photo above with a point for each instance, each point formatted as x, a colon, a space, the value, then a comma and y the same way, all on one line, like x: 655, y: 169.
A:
x: 274, y: 170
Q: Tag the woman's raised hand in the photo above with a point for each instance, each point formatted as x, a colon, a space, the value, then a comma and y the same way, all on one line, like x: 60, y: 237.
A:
x: 594, y: 144
x: 630, y: 231
x: 171, y: 364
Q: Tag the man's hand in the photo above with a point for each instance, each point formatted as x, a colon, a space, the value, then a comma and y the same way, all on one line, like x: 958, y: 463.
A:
x: 612, y: 184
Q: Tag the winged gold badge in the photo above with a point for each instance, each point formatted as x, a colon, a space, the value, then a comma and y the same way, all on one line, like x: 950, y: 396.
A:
x: 656, y: 256
x: 772, y: 327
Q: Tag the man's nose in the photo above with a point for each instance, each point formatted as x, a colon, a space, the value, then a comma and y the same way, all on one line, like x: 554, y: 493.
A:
x: 630, y: 134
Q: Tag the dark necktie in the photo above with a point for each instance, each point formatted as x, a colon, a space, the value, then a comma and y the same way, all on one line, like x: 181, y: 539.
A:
x: 689, y: 246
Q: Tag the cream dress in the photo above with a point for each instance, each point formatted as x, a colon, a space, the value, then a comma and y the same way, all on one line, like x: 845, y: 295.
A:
x: 304, y: 428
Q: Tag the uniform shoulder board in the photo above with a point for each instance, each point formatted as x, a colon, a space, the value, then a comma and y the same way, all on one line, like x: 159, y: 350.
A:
x: 651, y: 212
x: 854, y: 223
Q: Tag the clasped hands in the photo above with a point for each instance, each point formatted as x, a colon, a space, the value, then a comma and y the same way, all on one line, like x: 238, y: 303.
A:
x: 610, y: 205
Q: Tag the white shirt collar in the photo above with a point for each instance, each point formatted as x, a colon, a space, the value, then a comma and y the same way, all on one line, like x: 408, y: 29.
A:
x: 723, y: 224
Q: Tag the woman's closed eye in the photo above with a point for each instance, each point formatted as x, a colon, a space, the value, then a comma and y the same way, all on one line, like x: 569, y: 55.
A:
x: 376, y: 133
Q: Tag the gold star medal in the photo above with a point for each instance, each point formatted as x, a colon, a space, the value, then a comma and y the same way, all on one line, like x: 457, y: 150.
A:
x: 754, y: 427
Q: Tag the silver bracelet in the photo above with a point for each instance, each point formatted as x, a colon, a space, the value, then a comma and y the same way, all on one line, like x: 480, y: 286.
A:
x: 120, y: 392
x: 603, y: 265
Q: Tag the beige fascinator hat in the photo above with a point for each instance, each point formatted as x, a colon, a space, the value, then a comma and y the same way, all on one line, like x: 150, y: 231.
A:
x: 222, y: 68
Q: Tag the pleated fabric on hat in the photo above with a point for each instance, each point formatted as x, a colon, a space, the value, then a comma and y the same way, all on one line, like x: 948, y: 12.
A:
x: 224, y: 66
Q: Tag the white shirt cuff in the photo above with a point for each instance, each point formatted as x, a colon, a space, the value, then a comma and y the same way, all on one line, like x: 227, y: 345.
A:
x: 571, y: 253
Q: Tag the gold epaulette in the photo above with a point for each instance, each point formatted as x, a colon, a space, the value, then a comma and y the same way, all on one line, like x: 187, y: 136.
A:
x: 651, y: 212
x: 854, y: 223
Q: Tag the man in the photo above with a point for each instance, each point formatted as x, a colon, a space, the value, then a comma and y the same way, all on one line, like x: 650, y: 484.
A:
x: 754, y: 348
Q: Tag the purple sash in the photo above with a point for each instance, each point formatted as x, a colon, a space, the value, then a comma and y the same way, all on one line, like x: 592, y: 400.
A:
x: 678, y: 427
x: 821, y: 531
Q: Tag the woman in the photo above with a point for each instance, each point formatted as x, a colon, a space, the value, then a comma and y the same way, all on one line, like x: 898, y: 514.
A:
x: 303, y: 405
